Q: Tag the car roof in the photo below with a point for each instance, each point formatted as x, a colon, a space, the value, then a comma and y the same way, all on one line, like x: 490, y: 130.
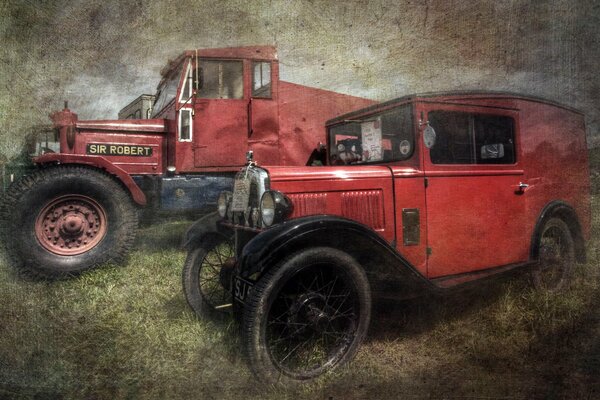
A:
x: 451, y: 96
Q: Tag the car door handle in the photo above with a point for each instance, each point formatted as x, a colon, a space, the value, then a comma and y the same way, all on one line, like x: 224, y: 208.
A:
x: 521, y: 188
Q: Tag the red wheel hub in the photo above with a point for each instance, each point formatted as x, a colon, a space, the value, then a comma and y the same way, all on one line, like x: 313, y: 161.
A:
x: 71, y: 225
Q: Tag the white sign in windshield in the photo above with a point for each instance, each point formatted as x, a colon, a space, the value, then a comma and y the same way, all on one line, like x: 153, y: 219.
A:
x: 371, y: 140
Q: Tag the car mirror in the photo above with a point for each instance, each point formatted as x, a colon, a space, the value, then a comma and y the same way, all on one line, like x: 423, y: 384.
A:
x: 429, y: 136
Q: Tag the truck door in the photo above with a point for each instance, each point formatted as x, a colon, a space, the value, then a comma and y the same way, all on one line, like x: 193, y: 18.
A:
x: 475, y: 206
x: 263, y: 112
x: 220, y: 114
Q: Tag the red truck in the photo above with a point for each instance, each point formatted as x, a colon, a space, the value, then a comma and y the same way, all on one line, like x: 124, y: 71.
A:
x: 79, y: 208
x: 421, y: 194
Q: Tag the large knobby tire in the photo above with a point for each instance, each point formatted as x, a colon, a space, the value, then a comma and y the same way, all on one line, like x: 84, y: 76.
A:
x: 202, y: 276
x: 63, y: 220
x: 556, y: 256
x: 306, y: 316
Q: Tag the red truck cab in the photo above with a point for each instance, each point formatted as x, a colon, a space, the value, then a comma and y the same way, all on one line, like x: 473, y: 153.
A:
x: 420, y: 194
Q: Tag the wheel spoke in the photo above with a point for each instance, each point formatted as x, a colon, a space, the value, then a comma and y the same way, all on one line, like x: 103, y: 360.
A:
x: 311, y: 322
x: 209, y: 274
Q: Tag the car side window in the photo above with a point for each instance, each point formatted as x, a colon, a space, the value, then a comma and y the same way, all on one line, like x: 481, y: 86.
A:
x: 494, y: 139
x: 469, y: 138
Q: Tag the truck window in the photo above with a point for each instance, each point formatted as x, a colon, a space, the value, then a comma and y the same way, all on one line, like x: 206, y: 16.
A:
x: 167, y: 90
x: 221, y: 79
x: 467, y: 138
x: 186, y: 88
x: 261, y: 79
x: 185, y: 125
x: 383, y: 137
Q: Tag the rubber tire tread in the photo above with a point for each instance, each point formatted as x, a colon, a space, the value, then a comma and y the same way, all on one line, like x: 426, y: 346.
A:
x: 253, y: 310
x: 190, y: 274
x: 566, y: 279
x: 24, y: 199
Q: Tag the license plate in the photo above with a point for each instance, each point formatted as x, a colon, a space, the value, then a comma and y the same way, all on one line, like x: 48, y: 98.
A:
x: 241, y: 289
x: 241, y: 195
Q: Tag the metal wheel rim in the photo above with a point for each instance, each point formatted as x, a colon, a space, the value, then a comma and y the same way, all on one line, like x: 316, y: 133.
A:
x: 554, y: 256
x: 313, y: 338
x: 209, y: 275
x: 71, y: 225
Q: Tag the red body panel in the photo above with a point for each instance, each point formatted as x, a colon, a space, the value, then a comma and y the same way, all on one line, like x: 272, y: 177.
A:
x: 220, y: 134
x: 409, y: 193
x: 125, y: 136
x: 363, y: 194
x: 555, y: 160
x: 303, y: 113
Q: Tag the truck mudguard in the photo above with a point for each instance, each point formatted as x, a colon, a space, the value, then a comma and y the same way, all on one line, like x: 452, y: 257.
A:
x: 99, y: 162
x: 381, y: 262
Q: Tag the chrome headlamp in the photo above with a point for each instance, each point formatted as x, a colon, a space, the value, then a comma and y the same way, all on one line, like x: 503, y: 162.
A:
x: 274, y: 207
x: 223, y: 203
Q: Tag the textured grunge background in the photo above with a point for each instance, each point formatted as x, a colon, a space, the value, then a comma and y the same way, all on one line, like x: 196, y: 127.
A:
x: 102, y: 54
x: 127, y: 332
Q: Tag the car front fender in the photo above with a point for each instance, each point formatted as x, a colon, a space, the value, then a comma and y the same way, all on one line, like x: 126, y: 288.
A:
x: 379, y: 259
x: 199, y: 229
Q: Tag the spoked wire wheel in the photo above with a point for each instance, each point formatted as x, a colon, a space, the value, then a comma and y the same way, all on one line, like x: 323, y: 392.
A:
x: 307, y: 316
x: 556, y: 256
x: 206, y: 276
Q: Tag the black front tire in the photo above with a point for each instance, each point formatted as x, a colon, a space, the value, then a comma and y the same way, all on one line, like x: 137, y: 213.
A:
x: 202, y: 280
x: 556, y: 249
x: 37, y: 197
x: 306, y: 316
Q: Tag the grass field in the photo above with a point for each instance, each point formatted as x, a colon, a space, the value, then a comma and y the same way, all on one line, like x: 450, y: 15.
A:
x: 126, y: 332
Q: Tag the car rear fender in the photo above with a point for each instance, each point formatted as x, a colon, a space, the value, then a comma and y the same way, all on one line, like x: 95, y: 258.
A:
x: 559, y: 209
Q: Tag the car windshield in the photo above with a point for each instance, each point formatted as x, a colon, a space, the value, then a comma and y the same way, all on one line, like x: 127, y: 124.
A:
x: 167, y: 90
x: 381, y: 137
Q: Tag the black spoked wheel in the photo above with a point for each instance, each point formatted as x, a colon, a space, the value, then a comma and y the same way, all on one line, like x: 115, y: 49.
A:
x: 306, y: 316
x: 556, y: 256
x: 206, y: 276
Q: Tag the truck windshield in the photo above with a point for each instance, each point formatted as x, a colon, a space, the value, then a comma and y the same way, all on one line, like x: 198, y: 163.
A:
x: 380, y: 137
x: 167, y: 90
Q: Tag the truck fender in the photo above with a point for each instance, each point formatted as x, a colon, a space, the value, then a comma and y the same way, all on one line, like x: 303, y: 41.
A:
x: 99, y: 162
x: 199, y: 229
x: 564, y: 211
x: 380, y: 260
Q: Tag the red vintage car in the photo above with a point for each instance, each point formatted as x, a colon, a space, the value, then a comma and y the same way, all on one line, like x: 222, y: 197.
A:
x: 419, y: 194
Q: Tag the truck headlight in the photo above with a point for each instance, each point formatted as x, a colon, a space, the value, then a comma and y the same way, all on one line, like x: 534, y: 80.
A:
x: 223, y: 203
x: 274, y: 207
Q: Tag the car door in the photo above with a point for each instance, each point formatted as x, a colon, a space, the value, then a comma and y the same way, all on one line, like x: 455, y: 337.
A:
x: 475, y: 204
